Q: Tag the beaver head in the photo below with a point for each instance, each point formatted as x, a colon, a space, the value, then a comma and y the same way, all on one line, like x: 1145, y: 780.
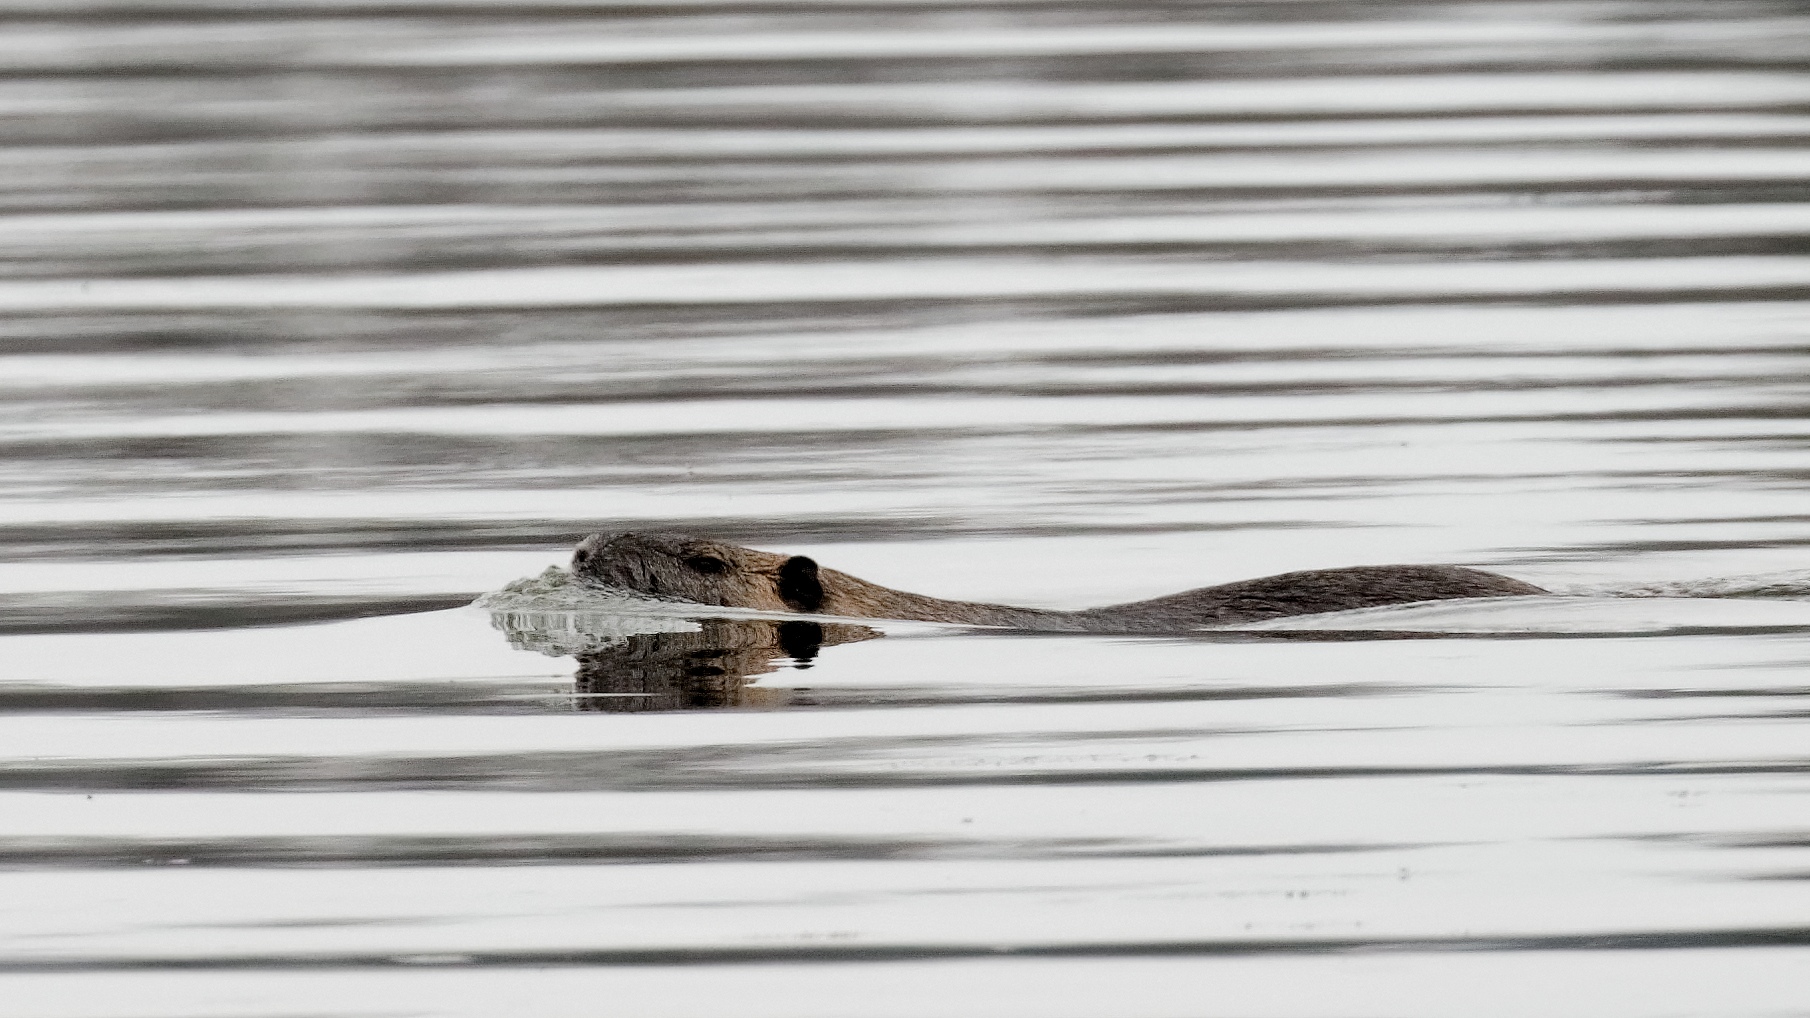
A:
x: 699, y: 570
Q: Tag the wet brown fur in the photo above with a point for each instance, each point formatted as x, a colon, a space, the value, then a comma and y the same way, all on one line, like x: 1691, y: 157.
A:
x: 704, y: 571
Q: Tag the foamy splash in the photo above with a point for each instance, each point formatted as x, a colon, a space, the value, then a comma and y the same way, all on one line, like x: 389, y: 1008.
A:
x: 556, y: 589
x: 557, y: 615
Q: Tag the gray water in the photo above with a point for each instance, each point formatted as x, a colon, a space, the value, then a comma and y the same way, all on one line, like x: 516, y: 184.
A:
x: 320, y: 319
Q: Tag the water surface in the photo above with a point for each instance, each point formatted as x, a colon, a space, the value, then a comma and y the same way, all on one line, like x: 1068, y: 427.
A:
x: 321, y: 319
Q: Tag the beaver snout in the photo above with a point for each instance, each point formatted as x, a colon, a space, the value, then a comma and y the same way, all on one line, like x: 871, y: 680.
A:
x: 616, y: 560
x: 590, y: 556
x: 702, y: 571
x: 663, y: 565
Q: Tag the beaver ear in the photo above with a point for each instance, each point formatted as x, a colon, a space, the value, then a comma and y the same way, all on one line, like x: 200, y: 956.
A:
x: 799, y: 585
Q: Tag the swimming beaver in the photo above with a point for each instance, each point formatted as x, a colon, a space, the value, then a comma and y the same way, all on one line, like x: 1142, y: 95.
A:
x: 711, y: 572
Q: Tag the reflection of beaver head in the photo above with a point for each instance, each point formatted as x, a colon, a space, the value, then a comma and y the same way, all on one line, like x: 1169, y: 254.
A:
x: 712, y: 667
x: 712, y: 572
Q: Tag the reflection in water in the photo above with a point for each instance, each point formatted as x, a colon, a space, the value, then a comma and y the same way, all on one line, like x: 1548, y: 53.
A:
x: 713, y: 667
x: 640, y: 663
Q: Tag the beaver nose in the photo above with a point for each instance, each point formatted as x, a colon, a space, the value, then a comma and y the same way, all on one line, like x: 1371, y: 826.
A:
x: 588, y: 548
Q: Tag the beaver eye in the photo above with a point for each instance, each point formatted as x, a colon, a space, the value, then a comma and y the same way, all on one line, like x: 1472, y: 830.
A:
x: 706, y: 563
x: 580, y: 557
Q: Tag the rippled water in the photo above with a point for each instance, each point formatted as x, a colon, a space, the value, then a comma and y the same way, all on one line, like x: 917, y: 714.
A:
x: 319, y: 319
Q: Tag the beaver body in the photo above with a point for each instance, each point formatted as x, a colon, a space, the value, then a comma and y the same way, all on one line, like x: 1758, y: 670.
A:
x: 704, y: 571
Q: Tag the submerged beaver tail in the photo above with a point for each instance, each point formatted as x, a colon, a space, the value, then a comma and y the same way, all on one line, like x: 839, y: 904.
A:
x: 1310, y: 592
